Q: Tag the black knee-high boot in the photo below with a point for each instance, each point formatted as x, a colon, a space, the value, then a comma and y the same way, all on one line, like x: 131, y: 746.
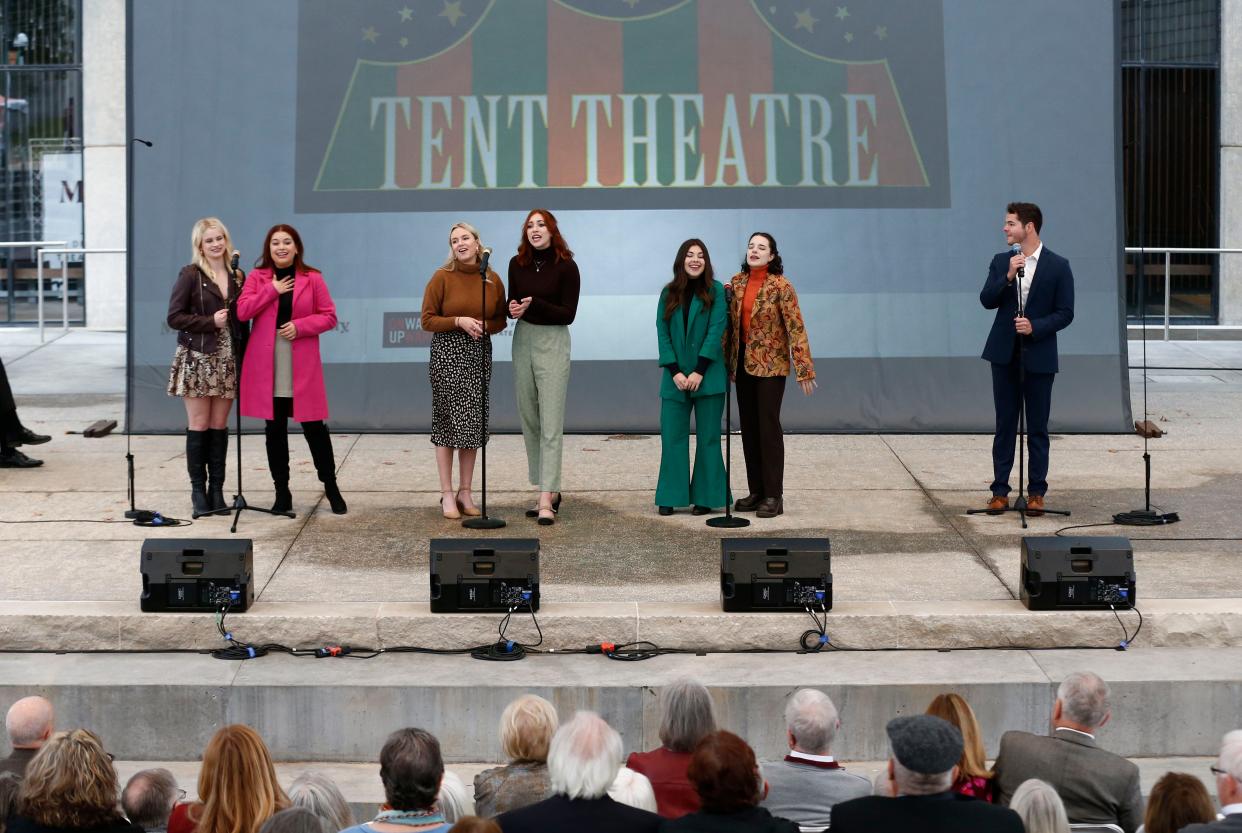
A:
x: 217, y: 464
x: 276, y: 433
x: 320, y: 442
x: 196, y: 465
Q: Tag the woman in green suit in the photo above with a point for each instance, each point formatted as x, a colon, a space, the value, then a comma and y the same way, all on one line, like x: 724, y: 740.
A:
x: 690, y: 323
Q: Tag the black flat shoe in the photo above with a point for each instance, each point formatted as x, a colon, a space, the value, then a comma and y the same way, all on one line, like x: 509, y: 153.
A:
x: 14, y: 459
x: 700, y: 510
x: 556, y: 507
x: 29, y: 437
x: 666, y: 510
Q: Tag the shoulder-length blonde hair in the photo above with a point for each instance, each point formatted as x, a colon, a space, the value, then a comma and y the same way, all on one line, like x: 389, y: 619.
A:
x: 237, y: 783
x: 955, y: 709
x: 526, y: 728
x: 70, y: 783
x: 450, y: 265
x: 196, y: 243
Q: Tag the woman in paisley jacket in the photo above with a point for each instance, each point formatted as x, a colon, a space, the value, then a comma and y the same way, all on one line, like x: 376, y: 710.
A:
x: 766, y: 326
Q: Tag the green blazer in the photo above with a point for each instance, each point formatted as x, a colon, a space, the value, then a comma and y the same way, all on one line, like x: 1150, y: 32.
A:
x: 702, y: 335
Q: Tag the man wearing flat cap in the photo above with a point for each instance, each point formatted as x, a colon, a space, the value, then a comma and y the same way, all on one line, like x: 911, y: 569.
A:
x: 921, y: 769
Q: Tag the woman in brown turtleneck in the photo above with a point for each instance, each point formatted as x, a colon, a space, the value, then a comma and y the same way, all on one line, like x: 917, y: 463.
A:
x: 766, y: 325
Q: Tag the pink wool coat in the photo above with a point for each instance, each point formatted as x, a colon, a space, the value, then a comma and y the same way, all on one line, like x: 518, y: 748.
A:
x: 313, y: 313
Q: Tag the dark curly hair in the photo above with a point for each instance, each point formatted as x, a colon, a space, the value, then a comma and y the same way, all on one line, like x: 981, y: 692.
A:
x: 411, y: 769
x: 776, y: 267
x: 724, y: 773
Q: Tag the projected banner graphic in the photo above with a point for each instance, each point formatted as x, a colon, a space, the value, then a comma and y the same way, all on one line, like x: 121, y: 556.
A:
x: 436, y: 105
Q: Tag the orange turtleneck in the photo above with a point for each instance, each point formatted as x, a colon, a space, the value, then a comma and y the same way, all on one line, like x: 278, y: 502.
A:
x: 753, y: 283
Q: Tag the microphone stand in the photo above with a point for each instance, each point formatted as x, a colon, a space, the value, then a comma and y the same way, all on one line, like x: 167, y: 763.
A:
x: 484, y: 521
x: 239, y: 499
x: 728, y: 520
x: 1019, y: 505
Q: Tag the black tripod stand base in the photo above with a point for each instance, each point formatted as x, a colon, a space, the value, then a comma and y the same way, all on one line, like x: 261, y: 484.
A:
x: 483, y: 522
x: 727, y: 522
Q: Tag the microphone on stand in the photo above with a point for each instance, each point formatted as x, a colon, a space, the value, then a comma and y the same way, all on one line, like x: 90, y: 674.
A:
x: 235, y: 261
x: 487, y: 255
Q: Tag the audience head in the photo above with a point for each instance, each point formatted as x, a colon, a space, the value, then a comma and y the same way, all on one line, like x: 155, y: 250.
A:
x: 526, y: 728
x: 926, y: 750
x: 955, y: 709
x: 411, y: 769
x: 725, y: 774
x: 584, y: 757
x: 9, y: 782
x: 148, y: 798
x: 812, y: 722
x: 634, y: 789
x: 237, y: 783
x: 69, y: 783
x: 1176, y: 801
x: 294, y: 820
x: 1082, y: 702
x: 474, y: 824
x: 29, y: 722
x: 319, y: 794
x: 1229, y: 778
x: 688, y: 715
x: 455, y: 801
x: 1040, y: 807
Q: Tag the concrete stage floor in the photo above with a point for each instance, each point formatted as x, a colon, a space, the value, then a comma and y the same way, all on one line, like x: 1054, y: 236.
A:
x: 911, y: 569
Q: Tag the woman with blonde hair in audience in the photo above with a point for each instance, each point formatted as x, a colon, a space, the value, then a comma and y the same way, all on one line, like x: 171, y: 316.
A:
x: 237, y: 787
x: 1177, y: 800
x: 319, y: 794
x: 688, y: 716
x: 1040, y: 807
x: 526, y: 729
x: 973, y: 776
x: 70, y: 785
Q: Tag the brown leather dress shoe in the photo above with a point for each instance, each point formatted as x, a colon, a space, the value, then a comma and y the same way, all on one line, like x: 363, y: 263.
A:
x: 770, y: 507
x: 1035, y: 506
x: 998, y: 504
x: 748, y: 504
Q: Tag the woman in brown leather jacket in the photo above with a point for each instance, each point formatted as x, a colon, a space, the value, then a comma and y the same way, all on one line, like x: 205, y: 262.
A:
x: 205, y: 366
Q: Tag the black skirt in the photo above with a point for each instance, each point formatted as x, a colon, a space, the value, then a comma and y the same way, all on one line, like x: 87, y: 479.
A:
x: 459, y: 365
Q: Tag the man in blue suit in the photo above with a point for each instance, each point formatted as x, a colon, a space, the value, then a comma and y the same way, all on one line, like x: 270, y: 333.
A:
x: 1031, y: 308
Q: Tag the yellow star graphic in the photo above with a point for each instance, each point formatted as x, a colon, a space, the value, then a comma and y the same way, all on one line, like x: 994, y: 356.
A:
x: 805, y: 21
x: 849, y: 37
x: 452, y: 11
x: 369, y: 34
x: 407, y: 14
x: 404, y: 41
x: 881, y: 32
x: 842, y: 12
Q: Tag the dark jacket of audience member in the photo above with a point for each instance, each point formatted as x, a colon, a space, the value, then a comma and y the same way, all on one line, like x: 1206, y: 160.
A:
x: 70, y: 787
x: 9, y: 784
x: 726, y: 777
x: 687, y: 716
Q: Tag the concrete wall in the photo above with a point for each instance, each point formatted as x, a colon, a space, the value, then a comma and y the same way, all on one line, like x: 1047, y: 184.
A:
x: 103, y: 159
x: 1231, y: 161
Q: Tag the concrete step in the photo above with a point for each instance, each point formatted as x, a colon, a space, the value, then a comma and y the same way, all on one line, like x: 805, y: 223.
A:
x: 1166, y: 702
x: 360, y: 783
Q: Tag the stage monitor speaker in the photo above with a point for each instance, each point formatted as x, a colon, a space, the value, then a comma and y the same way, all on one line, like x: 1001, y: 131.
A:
x: 484, y: 575
x: 775, y: 574
x: 1077, y: 573
x: 197, y: 575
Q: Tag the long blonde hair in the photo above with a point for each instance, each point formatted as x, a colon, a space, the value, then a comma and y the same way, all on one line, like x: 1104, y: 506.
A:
x: 196, y: 244
x: 70, y: 783
x: 450, y: 265
x: 237, y: 783
x: 955, y: 709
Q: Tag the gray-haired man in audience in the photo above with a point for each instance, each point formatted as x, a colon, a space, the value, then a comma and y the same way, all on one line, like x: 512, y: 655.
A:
x: 1228, y: 772
x: 30, y: 722
x: 1097, y: 787
x: 148, y: 799
x: 809, y: 781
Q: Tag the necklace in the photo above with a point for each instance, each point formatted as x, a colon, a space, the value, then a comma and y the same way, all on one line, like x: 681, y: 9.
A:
x: 410, y: 818
x: 539, y: 264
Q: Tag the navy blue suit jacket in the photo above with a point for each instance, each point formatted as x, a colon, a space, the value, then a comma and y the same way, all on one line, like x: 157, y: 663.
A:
x: 1049, y: 308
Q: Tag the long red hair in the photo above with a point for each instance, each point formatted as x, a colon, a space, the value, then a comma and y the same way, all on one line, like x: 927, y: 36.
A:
x: 560, y: 250
x: 265, y: 261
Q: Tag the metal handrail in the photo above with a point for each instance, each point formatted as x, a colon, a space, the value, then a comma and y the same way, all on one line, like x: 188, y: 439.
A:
x: 64, y: 280
x: 24, y: 244
x: 1167, y: 251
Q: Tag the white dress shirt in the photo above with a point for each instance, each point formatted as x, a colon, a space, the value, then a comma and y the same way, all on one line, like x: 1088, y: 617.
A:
x: 1024, y: 282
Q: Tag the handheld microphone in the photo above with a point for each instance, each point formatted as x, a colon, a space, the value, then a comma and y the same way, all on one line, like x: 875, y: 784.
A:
x: 487, y: 254
x: 236, y: 260
x: 1016, y: 249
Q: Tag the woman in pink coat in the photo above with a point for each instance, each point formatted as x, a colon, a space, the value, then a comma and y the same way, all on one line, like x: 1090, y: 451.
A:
x: 282, y: 374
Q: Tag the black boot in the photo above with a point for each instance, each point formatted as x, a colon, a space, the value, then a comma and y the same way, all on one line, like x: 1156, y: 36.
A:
x: 217, y: 458
x: 320, y: 442
x: 196, y: 464
x: 277, y: 436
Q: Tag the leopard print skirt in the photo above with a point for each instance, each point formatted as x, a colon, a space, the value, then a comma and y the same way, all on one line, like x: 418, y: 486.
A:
x: 205, y: 374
